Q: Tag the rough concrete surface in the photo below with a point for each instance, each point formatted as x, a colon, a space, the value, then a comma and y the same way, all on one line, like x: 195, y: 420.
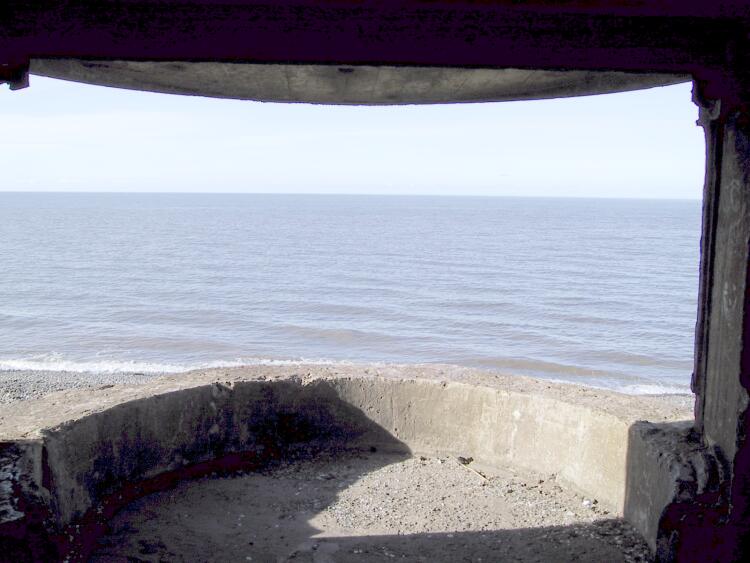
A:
x: 67, y: 454
x: 85, y: 393
x: 370, y: 507
x: 579, y: 433
x: 346, y: 84
x: 725, y: 398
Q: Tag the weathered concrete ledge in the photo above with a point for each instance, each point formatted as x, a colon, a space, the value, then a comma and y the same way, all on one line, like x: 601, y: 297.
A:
x: 346, y: 85
x: 64, y: 455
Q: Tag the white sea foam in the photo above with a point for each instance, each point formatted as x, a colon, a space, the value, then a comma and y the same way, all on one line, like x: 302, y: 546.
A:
x: 613, y: 384
x: 56, y: 363
x: 650, y: 389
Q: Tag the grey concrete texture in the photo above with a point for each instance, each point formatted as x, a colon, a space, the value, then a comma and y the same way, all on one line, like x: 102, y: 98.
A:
x: 725, y: 399
x: 364, y: 506
x: 713, y: 507
x: 668, y: 467
x: 346, y: 84
x: 69, y: 450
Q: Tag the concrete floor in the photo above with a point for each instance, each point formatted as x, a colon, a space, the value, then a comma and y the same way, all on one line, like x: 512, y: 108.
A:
x: 370, y: 507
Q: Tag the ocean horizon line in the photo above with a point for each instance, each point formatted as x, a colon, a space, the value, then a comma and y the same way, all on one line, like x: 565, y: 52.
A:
x: 346, y: 194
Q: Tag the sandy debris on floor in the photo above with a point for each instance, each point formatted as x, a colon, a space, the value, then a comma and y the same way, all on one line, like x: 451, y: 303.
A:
x: 371, y: 507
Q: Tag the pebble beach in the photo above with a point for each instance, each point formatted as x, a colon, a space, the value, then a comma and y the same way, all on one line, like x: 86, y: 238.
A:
x: 23, y: 385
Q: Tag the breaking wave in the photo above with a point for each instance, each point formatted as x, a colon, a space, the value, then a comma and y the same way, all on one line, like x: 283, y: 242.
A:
x: 57, y: 363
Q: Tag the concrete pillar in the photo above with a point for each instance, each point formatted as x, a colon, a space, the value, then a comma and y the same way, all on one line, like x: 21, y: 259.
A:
x: 723, y: 310
x: 714, y: 521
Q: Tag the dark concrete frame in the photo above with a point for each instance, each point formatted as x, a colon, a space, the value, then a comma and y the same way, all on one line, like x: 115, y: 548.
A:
x: 707, y: 511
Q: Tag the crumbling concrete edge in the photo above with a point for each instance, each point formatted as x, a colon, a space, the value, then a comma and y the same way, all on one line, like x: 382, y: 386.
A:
x: 670, y: 475
x: 26, y: 514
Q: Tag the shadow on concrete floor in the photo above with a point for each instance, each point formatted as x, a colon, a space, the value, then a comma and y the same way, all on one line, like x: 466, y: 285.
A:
x: 355, y: 507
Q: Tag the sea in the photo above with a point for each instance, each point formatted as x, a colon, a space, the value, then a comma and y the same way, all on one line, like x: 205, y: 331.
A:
x: 600, y: 292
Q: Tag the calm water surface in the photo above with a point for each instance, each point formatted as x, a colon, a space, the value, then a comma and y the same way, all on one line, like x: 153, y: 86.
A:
x: 601, y: 292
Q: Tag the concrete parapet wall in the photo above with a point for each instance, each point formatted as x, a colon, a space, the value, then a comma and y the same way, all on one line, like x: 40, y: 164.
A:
x: 86, y: 445
x: 585, y: 448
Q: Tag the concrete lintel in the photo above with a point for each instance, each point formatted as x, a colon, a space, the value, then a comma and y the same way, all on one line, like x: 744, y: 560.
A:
x: 346, y: 84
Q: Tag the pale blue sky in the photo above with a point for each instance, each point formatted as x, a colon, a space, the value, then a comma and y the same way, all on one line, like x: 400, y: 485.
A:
x: 62, y: 136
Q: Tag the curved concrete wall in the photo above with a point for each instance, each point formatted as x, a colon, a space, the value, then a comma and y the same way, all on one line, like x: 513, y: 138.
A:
x: 585, y: 448
x: 75, y: 448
